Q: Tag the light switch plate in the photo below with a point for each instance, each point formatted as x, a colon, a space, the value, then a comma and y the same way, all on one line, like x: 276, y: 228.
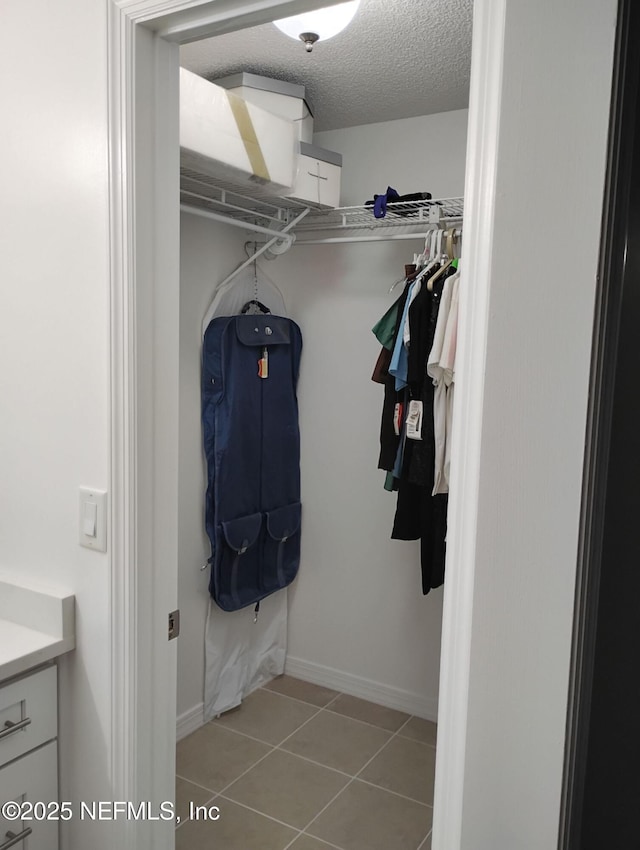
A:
x: 93, y: 508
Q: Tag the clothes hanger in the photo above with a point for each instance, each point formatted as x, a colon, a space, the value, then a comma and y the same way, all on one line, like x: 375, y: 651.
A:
x: 397, y: 283
x: 423, y: 258
x: 435, y: 241
x: 449, y: 247
x: 451, y: 235
x: 255, y: 303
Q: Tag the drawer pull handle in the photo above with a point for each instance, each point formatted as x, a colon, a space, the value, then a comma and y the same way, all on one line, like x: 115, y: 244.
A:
x: 15, y: 839
x: 10, y: 728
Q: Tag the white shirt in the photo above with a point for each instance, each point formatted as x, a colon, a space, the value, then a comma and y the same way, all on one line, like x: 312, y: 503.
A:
x: 436, y: 372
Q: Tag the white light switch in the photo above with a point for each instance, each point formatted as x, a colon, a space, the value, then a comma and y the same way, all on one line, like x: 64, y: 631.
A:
x: 90, y: 519
x: 93, y: 519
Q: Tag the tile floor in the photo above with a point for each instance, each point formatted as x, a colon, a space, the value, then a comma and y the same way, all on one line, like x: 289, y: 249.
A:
x: 302, y: 767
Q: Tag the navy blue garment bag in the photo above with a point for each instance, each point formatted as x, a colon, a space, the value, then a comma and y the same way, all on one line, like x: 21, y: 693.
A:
x: 250, y: 370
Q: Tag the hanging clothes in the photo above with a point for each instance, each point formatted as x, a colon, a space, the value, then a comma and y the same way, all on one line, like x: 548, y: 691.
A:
x: 389, y: 439
x: 414, y: 422
x: 419, y: 514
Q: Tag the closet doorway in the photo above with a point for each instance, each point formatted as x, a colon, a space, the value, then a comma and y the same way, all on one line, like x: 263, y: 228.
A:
x: 146, y: 391
x: 353, y: 721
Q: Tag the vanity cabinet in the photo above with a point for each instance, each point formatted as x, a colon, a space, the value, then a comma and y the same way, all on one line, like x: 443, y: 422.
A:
x: 29, y: 759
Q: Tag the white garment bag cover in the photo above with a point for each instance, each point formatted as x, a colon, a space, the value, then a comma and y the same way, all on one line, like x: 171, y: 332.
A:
x: 242, y: 655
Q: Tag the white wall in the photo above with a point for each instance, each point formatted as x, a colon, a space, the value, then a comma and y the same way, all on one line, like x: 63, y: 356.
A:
x: 54, y: 349
x: 208, y: 253
x: 549, y: 191
x: 426, y: 153
x: 357, y: 608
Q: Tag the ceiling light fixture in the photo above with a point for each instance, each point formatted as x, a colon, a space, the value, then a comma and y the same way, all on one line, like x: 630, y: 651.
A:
x: 319, y: 25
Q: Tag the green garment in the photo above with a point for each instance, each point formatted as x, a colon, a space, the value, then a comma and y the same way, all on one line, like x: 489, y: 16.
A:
x: 390, y: 483
x: 385, y: 328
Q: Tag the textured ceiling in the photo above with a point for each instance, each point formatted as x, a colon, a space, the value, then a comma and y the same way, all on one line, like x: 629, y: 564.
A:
x: 397, y: 59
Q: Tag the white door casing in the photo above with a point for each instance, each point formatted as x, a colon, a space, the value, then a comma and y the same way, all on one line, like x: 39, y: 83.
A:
x: 144, y: 150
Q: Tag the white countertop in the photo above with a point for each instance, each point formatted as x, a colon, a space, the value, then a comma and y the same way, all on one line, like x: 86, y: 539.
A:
x: 37, y: 623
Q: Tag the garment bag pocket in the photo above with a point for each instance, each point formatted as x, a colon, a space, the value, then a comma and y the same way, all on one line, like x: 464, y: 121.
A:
x: 237, y: 567
x: 281, y: 557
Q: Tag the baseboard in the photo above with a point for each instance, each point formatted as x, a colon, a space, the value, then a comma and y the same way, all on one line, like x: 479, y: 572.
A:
x: 190, y: 721
x: 357, y: 686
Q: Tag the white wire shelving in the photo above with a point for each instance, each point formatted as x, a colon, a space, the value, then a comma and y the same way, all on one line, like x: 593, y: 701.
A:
x: 291, y: 221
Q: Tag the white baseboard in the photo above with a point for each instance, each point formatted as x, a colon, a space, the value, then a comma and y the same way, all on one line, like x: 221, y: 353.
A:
x: 190, y: 721
x: 356, y: 686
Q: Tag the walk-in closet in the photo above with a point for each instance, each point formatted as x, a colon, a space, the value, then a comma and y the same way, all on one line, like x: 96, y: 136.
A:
x: 341, y: 751
x: 103, y: 312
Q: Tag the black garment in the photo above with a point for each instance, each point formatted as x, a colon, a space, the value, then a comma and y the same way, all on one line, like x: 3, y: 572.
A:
x: 423, y: 321
x: 419, y: 515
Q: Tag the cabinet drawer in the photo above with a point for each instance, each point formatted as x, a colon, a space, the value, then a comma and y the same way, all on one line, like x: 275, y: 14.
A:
x: 31, y: 779
x: 31, y: 706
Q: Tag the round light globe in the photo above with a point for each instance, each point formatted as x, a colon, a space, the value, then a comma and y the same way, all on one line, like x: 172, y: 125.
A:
x: 323, y: 23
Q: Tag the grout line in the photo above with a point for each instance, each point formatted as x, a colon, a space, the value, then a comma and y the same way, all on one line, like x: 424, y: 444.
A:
x: 297, y: 699
x: 375, y: 755
x: 268, y: 743
x: 295, y: 838
x: 424, y: 841
x: 414, y: 741
x: 366, y: 722
x: 206, y: 803
x: 417, y: 740
x: 228, y: 785
x: 351, y: 778
x: 395, y: 793
x: 244, y: 772
x: 331, y: 702
x: 317, y: 763
x: 262, y: 814
x: 197, y: 784
x: 333, y: 799
x: 386, y: 743
x: 246, y: 735
x: 320, y: 840
x: 305, y: 723
x: 406, y: 723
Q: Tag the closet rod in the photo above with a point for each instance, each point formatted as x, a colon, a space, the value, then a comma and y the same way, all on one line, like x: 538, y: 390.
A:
x: 245, y: 225
x: 333, y: 240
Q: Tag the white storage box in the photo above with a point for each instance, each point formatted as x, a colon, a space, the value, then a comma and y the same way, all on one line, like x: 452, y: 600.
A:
x: 284, y: 99
x: 225, y: 137
x: 318, y: 176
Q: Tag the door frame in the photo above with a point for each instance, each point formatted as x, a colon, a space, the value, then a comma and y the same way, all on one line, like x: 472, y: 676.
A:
x: 605, y: 363
x: 144, y: 250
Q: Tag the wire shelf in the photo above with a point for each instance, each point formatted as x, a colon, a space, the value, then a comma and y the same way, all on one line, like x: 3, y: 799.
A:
x: 254, y: 205
x: 239, y: 203
x: 447, y: 210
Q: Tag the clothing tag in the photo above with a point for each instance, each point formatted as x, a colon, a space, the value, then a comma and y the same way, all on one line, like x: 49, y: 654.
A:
x: 397, y: 418
x: 414, y: 420
x: 263, y: 364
